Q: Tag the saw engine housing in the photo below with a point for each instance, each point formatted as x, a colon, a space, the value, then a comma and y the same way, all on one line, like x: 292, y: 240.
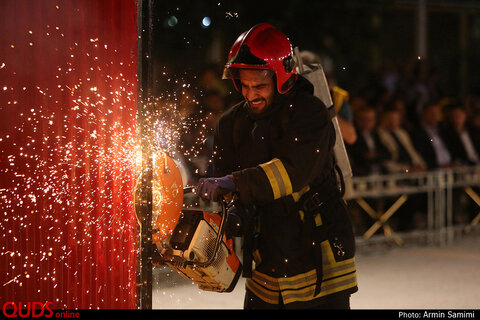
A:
x: 199, y: 250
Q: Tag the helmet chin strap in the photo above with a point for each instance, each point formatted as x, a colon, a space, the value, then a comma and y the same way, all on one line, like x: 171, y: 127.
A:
x: 290, y: 82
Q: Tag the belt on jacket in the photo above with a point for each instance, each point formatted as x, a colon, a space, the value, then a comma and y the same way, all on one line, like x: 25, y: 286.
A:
x: 318, y: 195
x: 309, y: 203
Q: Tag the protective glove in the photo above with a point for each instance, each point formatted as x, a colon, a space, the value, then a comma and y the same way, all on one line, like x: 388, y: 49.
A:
x: 212, y: 188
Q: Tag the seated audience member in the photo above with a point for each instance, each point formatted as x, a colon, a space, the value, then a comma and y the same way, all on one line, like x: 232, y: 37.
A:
x: 403, y: 156
x: 340, y: 97
x: 459, y: 138
x: 474, y: 125
x: 367, y: 153
x: 460, y: 141
x: 344, y: 114
x: 428, y: 138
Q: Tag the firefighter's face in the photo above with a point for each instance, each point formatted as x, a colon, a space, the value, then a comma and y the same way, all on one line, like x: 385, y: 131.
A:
x: 258, y: 89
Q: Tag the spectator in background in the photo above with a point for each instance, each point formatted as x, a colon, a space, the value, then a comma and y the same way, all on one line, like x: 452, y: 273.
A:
x: 215, y: 104
x: 428, y: 138
x: 356, y: 102
x: 340, y: 98
x: 475, y: 125
x: 211, y: 80
x: 367, y: 154
x: 418, y: 92
x: 398, y: 103
x: 460, y: 142
x: 459, y: 138
x: 403, y: 156
x: 344, y: 114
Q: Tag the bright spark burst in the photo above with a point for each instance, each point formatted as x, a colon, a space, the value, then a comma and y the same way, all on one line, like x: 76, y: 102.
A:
x: 71, y: 156
x: 66, y: 178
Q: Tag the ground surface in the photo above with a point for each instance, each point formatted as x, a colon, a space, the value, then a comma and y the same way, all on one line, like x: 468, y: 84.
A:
x: 410, y: 277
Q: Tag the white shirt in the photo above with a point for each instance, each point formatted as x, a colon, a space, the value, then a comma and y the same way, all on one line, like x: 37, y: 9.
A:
x: 469, y: 148
x: 443, y: 156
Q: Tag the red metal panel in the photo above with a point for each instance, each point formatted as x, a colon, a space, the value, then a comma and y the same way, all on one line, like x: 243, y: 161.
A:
x: 67, y: 152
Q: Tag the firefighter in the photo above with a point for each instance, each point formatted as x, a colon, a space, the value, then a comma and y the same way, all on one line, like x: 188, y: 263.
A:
x: 274, y: 151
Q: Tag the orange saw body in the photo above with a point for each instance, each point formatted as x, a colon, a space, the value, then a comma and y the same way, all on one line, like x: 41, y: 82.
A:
x: 167, y: 196
x: 190, y: 241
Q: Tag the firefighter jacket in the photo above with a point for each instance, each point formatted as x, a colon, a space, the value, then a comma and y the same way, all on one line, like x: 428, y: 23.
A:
x: 283, y: 164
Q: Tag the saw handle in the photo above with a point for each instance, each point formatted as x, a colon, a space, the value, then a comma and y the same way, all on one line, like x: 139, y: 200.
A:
x: 221, y: 231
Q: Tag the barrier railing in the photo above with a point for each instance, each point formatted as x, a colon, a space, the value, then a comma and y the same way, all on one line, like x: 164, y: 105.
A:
x: 438, y: 186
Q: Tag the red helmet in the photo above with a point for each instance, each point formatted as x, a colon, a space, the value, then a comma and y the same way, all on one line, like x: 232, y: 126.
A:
x: 263, y: 47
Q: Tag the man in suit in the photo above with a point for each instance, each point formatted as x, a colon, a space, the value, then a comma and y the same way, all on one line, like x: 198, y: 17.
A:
x: 459, y: 138
x: 429, y: 140
x: 460, y: 141
x: 367, y: 153
x: 403, y: 156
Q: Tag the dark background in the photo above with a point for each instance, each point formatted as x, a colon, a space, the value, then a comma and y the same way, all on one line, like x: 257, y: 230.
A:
x: 363, y: 39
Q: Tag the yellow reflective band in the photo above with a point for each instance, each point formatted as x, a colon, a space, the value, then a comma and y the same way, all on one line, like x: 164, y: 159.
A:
x: 285, y: 177
x: 318, y: 218
x: 344, y: 263
x: 266, y: 295
x: 256, y: 257
x: 338, y: 284
x: 304, y: 294
x: 278, y: 177
x: 298, y: 281
x: 327, y: 253
x: 272, y: 180
x: 265, y: 281
x: 302, y: 287
x: 297, y: 195
x: 332, y: 268
x: 328, y: 287
x: 339, y: 96
x: 339, y: 270
x: 302, y: 214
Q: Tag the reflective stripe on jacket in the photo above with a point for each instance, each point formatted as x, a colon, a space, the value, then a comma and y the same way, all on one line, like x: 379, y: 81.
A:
x: 337, y: 276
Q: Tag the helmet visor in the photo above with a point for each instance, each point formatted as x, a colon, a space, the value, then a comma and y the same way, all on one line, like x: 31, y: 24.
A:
x: 243, y: 59
x: 256, y: 74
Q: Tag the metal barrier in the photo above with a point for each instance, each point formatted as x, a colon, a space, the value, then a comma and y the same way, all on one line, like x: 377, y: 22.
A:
x: 438, y: 186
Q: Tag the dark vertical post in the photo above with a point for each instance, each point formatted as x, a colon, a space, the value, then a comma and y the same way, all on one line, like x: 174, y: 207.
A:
x: 422, y: 26
x: 143, y: 203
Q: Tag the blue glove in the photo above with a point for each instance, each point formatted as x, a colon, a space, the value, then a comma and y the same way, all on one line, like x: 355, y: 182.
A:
x: 213, y: 188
